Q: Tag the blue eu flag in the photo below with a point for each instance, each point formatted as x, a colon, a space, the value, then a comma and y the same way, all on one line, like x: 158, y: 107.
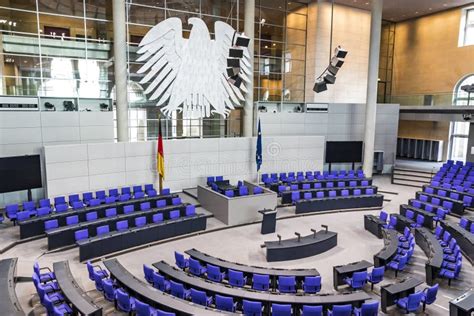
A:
x: 259, y: 147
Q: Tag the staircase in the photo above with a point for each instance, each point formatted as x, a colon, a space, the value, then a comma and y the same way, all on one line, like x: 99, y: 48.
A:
x: 411, y: 177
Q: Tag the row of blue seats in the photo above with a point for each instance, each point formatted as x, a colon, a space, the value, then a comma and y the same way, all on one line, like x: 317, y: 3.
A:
x: 214, y: 179
x: 49, y: 293
x: 319, y: 185
x: 309, y: 175
x: 466, y: 200
x: 121, y: 299
x: 447, y: 205
x: 295, y: 195
x: 243, y: 190
x: 226, y: 303
x: 260, y: 282
x: 123, y: 225
x: 450, y: 162
x: 464, y: 223
x: 452, y: 257
x: 439, y: 211
x: 457, y: 187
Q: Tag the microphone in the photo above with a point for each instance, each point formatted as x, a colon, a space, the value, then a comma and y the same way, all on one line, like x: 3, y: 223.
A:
x: 326, y: 227
x: 279, y: 239
x: 299, y: 236
x: 314, y: 232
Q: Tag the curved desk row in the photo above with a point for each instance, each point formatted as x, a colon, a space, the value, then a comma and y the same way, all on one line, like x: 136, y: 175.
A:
x: 462, y: 305
x: 297, y: 248
x: 147, y: 294
x: 341, y: 272
x: 137, y: 236
x: 35, y: 226
x: 81, y: 303
x: 64, y: 236
x: 402, y: 222
x: 274, y: 186
x: 462, y: 194
x: 464, y: 238
x: 286, y: 195
x: 9, y: 304
x: 389, y: 251
x: 338, y: 203
x: 458, y: 207
x: 267, y: 298
x: 374, y: 225
x: 249, y: 271
x: 433, y: 250
x: 429, y: 217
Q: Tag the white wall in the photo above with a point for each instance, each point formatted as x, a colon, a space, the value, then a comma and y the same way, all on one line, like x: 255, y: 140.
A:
x: 25, y: 133
x: 90, y: 167
x: 351, y: 31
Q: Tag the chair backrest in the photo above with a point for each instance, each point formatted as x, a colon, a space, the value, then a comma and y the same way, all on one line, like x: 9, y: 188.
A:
x: 198, y: 297
x: 463, y: 222
x: 236, y: 278
x: 307, y: 196
x: 446, y: 236
x: 281, y: 309
x: 195, y: 267
x: 125, y: 190
x: 44, y: 203
x: 101, y: 230
x: 229, y: 193
x: 214, y: 273
x: 383, y: 216
x: 110, y: 212
x: 158, y: 281
x: 101, y: 194
x: 122, y: 225
x: 414, y: 301
x: 142, y: 309
x: 225, y: 303
x: 87, y: 196
x: 128, y: 209
x: 72, y: 220
x: 145, y: 206
x: 261, y: 282
x: 420, y: 219
x: 332, y: 193
x: 357, y: 192
x: 23, y: 215
x: 113, y: 192
x: 342, y: 310
x: 60, y: 208
x: 158, y: 217
x: 410, y: 214
x: 243, y: 190
x: 359, y: 278
x: 287, y: 284
x: 177, y: 289
x: 123, y: 301
x: 73, y: 198
x: 165, y: 191
x: 51, y: 224
x: 393, y: 221
x: 140, y: 221
x: 252, y: 308
x: 295, y: 196
x: 29, y: 205
x: 402, y: 262
x: 430, y: 293
x: 181, y: 262
x: 257, y: 190
x: 176, y: 201
x: 94, y: 202
x: 175, y: 214
x: 312, y: 284
x: 81, y: 234
x: 370, y: 309
x: 190, y: 210
x: 312, y: 310
x: 43, y: 211
x: 91, y: 216
x: 377, y: 274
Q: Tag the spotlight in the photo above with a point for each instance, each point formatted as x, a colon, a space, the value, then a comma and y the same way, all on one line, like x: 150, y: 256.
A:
x: 236, y: 81
x: 233, y: 62
x: 242, y: 40
x: 339, y: 52
x: 337, y: 62
x: 232, y: 71
x: 320, y: 86
x: 329, y: 79
x: 49, y: 106
x: 236, y: 53
x: 332, y: 69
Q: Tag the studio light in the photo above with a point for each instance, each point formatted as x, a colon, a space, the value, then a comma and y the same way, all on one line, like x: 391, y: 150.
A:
x: 236, y: 53
x: 320, y: 86
x: 329, y: 79
x: 242, y: 40
x: 337, y: 62
x: 233, y: 62
x: 332, y: 69
x: 329, y: 74
x: 232, y: 71
x: 236, y: 81
x: 339, y: 52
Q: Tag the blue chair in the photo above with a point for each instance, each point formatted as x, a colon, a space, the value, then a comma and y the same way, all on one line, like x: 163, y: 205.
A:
x: 113, y: 192
x: 237, y: 278
x: 94, y: 202
x: 77, y: 205
x: 312, y: 310
x: 81, y: 234
x: 214, y: 273
x: 61, y: 208
x: 110, y: 199
x: 73, y: 198
x: 110, y: 212
x: 357, y: 192
x: 340, y: 310
x: 121, y: 225
x: 59, y: 200
x: 43, y: 211
x: 376, y: 276
x: 195, y: 267
x: 91, y: 269
x: 383, y: 216
x: 251, y: 308
x: 72, y: 220
x: 229, y: 193
x: 307, y: 196
x: 98, y: 281
x: 312, y: 284
x: 125, y: 303
x: 257, y: 190
x: 159, y: 282
x: 160, y: 203
x: 165, y: 191
x: 420, y: 220
x: 30, y: 206
x: 200, y: 297
x: 181, y: 262
x: 43, y: 277
x: 139, y: 195
x: 22, y: 216
x: 429, y: 295
x: 55, y: 306
x: 411, y: 303
x: 451, y: 274
x: 261, y: 282
x: 243, y: 190
x: 281, y: 309
x: 178, y: 290
x: 87, y: 196
x: 102, y: 196
x: 287, y: 284
x: 157, y: 218
x: 125, y: 190
x: 145, y: 206
x: 225, y: 303
x: 140, y: 221
x: 102, y: 230
x: 190, y: 210
x: 295, y: 196
x: 151, y: 193
x: 398, y: 265
x: 367, y: 309
x: 124, y: 197
x: 392, y: 223
x: 174, y: 214
x: 91, y: 216
x: 332, y: 194
x: 463, y: 222
x: 143, y: 309
x: 211, y: 180
x: 127, y: 209
x: 45, y: 203
x: 358, y: 280
x: 51, y: 224
x: 176, y: 201
x: 137, y: 188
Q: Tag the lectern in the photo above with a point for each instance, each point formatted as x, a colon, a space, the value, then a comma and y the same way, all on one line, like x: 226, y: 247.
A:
x: 268, y: 221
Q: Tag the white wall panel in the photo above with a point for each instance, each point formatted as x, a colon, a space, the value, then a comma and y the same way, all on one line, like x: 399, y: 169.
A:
x: 19, y: 119
x: 66, y: 170
x: 20, y: 135
x: 60, y: 134
x: 107, y: 165
x: 52, y: 119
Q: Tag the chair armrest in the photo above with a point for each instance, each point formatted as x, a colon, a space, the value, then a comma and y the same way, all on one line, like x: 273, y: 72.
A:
x: 46, y: 268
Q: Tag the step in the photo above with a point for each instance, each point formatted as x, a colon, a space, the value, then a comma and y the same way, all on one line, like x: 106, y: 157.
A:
x: 407, y: 183
x: 411, y: 178
x: 403, y: 173
x: 413, y: 170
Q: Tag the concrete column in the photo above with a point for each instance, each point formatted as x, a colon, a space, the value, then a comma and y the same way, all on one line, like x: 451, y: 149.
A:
x: 249, y: 30
x: 120, y: 69
x: 372, y: 83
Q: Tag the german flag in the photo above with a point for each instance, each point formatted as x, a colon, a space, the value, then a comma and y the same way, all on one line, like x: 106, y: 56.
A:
x: 160, y: 158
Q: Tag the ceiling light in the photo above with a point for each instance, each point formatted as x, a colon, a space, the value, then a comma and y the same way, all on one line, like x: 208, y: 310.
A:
x: 266, y: 46
x: 445, y: 4
x: 274, y: 44
x: 430, y: 9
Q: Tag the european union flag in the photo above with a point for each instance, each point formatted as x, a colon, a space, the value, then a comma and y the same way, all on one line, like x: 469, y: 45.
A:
x: 259, y: 157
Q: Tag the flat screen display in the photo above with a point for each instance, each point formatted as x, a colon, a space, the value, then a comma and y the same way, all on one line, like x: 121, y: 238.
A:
x: 20, y: 173
x: 343, y: 152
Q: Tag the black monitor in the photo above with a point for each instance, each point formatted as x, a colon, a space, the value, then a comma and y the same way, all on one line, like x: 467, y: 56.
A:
x: 20, y: 173
x: 344, y: 152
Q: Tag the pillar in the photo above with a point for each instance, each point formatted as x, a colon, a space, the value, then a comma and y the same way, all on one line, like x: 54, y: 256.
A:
x: 372, y: 83
x: 249, y: 30
x: 120, y: 69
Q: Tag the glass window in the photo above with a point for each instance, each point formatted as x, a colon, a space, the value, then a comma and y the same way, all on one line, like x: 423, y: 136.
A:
x: 12, y: 21
x: 63, y: 7
x: 466, y: 32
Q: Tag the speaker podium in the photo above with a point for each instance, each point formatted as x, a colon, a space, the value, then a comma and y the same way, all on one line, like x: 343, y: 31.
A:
x: 268, y: 221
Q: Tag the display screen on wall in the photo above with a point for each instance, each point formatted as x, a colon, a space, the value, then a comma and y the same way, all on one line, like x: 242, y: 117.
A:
x: 20, y: 173
x: 343, y: 152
